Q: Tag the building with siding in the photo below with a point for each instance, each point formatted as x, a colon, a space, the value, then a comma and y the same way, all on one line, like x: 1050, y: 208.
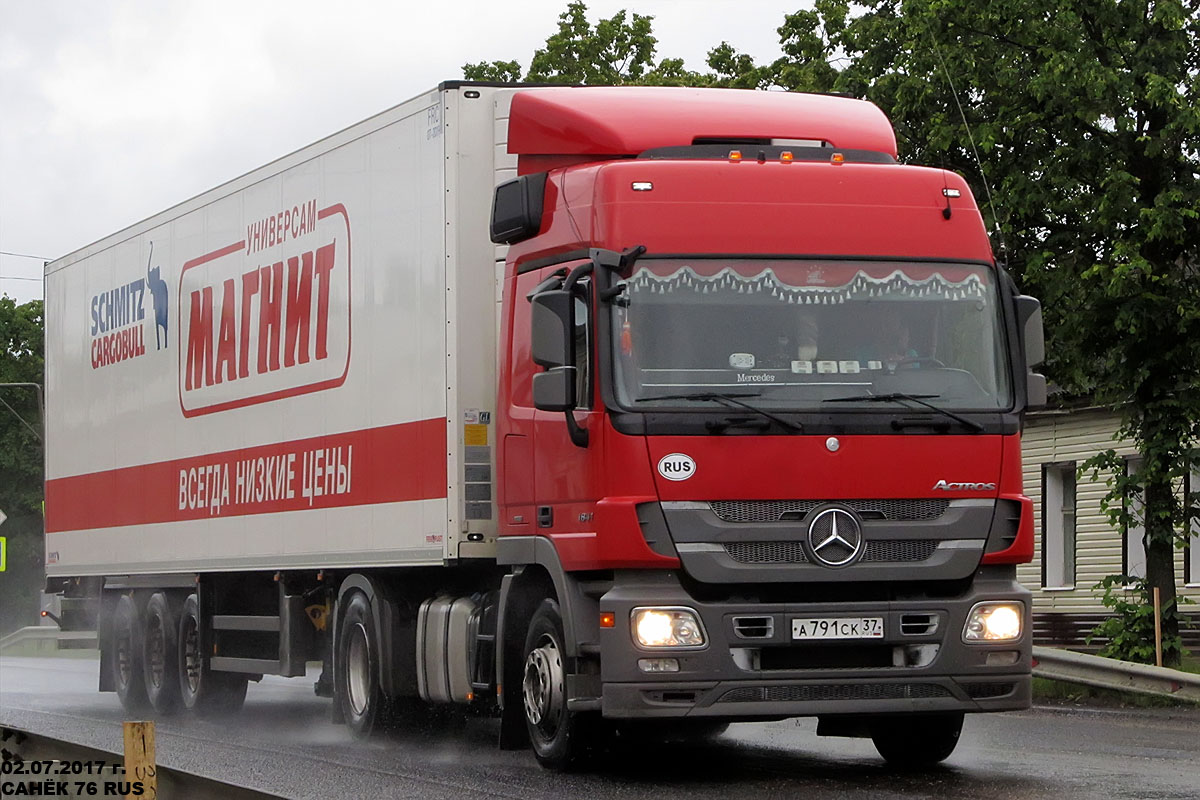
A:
x: 1076, y: 545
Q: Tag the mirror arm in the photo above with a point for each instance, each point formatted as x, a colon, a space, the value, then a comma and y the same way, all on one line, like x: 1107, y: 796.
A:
x: 553, y: 282
x: 576, y: 274
x: 579, y: 434
x: 612, y: 260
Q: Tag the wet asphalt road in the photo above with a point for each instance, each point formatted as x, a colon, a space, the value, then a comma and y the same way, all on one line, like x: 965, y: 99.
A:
x: 283, y: 743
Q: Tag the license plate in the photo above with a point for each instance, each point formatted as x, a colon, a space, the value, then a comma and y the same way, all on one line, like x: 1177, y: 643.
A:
x: 838, y: 628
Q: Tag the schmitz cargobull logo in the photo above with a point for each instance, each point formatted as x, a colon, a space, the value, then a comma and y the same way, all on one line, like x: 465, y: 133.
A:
x: 118, y: 317
x: 267, y: 317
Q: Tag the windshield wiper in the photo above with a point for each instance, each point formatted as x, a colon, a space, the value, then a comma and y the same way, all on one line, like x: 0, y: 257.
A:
x: 919, y: 399
x: 720, y: 426
x: 732, y: 401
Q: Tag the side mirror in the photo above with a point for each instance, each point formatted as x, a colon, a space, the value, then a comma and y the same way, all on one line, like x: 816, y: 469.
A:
x: 554, y: 390
x: 1035, y: 391
x: 552, y: 338
x: 1029, y: 317
x: 517, y: 208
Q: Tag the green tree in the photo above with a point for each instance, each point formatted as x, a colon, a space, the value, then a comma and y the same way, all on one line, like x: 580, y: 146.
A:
x: 21, y: 361
x: 1084, y: 119
x: 617, y: 50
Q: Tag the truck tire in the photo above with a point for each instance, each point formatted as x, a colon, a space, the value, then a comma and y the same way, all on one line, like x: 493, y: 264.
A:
x: 160, y: 664
x: 920, y: 740
x: 362, y: 700
x: 126, y: 661
x: 200, y: 689
x: 560, y: 738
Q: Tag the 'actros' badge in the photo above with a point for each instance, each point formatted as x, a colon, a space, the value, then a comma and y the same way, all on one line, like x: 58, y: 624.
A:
x: 966, y: 486
x: 676, y: 467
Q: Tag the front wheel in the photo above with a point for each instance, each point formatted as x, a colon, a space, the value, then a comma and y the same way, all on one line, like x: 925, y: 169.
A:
x: 560, y: 738
x: 920, y: 740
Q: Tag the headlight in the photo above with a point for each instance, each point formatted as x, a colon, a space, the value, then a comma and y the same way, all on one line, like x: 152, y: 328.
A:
x: 994, y: 622
x: 667, y: 627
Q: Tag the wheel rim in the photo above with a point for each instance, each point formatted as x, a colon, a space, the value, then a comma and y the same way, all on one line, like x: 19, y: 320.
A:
x: 358, y: 669
x: 155, y: 651
x: 191, y: 656
x: 124, y: 666
x: 542, y: 686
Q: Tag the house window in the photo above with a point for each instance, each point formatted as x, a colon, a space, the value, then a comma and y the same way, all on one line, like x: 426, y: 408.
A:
x: 1191, y: 552
x: 1133, y: 551
x: 1058, y: 526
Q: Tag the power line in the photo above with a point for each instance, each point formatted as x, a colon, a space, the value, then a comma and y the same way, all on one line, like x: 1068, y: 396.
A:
x: 16, y: 278
x: 23, y: 255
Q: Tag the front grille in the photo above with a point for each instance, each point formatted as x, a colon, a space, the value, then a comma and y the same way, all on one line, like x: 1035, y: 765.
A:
x: 766, y: 552
x: 754, y: 627
x: 833, y: 691
x: 779, y: 510
x: 918, y: 624
x: 982, y: 691
x: 884, y: 550
x: 828, y: 655
x: 900, y: 550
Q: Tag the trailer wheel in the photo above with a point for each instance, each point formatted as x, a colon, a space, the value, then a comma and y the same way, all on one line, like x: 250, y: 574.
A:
x: 202, y: 690
x: 160, y: 666
x: 917, y: 741
x: 560, y: 738
x: 126, y: 661
x: 362, y: 700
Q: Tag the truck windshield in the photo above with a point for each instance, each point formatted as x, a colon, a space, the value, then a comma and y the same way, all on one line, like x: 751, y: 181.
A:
x: 798, y: 333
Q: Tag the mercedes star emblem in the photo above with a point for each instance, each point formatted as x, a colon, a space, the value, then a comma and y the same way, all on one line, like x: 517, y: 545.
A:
x: 835, y: 537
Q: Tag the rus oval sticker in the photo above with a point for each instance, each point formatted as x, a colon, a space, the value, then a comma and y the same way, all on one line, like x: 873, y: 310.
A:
x: 676, y: 467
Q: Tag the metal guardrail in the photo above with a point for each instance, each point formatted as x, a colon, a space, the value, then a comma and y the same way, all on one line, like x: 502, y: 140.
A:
x: 46, y: 639
x: 1109, y: 673
x: 76, y: 770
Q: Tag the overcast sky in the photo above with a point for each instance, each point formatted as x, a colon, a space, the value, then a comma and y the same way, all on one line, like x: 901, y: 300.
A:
x: 113, y: 111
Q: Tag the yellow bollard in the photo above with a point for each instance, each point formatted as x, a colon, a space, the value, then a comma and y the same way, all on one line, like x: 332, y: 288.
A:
x: 139, y: 760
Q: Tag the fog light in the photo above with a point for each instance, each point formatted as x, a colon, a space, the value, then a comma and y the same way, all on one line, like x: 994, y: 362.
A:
x: 1002, y: 658
x: 667, y: 627
x: 658, y: 664
x: 994, y: 622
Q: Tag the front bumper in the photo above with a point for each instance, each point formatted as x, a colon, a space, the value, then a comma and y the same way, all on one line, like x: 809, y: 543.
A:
x: 920, y: 665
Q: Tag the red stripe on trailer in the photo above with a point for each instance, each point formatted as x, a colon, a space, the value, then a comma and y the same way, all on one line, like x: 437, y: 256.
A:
x: 388, y: 464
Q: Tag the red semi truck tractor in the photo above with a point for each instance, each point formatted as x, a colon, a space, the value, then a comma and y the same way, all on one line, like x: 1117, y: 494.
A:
x: 595, y: 408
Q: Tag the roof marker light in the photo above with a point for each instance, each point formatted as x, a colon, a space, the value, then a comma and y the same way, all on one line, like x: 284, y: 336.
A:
x: 642, y: 186
x: 735, y: 155
x: 786, y: 157
x: 837, y: 158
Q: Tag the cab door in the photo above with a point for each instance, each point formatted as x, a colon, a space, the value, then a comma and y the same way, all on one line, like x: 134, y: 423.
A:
x: 567, y: 477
